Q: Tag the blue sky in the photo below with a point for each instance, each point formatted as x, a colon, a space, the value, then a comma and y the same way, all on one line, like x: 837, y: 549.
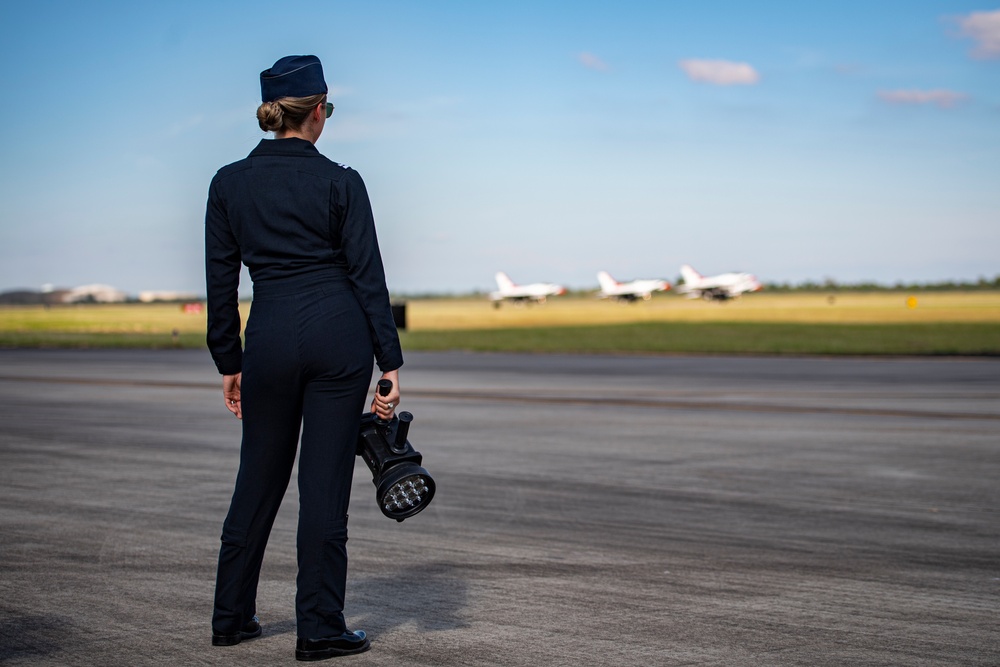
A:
x: 846, y: 140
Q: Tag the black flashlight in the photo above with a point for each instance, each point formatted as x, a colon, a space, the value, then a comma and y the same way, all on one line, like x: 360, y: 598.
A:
x: 402, y: 487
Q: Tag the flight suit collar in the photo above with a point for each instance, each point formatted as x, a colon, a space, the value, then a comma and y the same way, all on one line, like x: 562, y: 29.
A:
x: 290, y: 146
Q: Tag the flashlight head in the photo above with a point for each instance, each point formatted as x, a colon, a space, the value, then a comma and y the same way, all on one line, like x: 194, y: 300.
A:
x: 403, y: 488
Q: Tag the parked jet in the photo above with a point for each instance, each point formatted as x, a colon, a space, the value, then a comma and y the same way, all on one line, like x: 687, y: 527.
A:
x: 632, y: 291
x: 510, y: 291
x: 716, y: 288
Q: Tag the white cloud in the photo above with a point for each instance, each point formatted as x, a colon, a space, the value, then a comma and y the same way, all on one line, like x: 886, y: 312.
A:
x: 984, y: 29
x: 590, y: 61
x: 720, y: 72
x: 942, y: 98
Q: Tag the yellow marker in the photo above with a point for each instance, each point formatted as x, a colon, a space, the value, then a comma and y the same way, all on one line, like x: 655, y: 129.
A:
x: 911, y: 302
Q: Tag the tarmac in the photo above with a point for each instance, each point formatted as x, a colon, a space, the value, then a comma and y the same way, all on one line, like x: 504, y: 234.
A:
x: 590, y: 510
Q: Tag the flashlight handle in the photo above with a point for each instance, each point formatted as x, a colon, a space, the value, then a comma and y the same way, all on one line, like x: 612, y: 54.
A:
x: 402, y: 430
x: 383, y: 388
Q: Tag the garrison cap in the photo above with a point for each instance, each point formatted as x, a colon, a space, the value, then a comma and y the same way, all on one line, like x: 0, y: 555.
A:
x: 292, y: 76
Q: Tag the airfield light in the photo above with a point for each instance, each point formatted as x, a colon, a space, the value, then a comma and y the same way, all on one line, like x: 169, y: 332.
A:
x: 402, y: 487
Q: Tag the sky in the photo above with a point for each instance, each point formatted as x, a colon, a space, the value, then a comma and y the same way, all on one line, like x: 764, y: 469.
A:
x: 854, y: 141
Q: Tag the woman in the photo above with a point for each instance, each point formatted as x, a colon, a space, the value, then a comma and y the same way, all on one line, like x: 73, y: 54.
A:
x: 303, y: 226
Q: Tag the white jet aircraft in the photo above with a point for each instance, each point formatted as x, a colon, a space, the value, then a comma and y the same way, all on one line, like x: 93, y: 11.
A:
x: 716, y: 288
x: 509, y: 291
x: 633, y: 291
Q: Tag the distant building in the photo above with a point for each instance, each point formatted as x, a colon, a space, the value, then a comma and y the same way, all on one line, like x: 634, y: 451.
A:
x: 33, y: 298
x: 95, y: 294
x: 149, y: 296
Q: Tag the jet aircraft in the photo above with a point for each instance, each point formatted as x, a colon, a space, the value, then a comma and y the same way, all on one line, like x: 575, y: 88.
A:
x: 510, y: 291
x: 631, y: 291
x: 722, y: 287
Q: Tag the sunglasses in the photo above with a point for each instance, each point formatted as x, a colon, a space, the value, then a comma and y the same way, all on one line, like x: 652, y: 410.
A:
x: 329, y: 109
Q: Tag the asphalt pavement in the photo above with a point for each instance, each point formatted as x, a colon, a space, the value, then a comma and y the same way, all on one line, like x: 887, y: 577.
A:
x: 591, y: 510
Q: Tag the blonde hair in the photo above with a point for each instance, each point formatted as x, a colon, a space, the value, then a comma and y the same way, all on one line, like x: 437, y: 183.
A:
x: 286, y: 113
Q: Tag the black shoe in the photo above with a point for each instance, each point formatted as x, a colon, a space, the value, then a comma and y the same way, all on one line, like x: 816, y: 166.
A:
x: 250, y: 630
x: 348, y: 643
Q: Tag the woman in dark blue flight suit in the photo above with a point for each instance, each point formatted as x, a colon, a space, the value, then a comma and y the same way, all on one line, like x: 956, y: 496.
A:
x: 304, y: 227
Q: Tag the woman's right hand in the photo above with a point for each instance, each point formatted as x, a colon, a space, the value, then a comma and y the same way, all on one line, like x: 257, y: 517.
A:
x: 384, y: 406
x: 231, y: 393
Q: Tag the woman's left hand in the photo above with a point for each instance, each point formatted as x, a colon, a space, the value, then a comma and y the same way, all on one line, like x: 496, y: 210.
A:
x: 384, y: 406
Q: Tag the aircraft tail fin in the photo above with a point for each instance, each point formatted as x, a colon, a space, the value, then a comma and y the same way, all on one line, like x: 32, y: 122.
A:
x: 690, y: 276
x: 607, y: 283
x: 504, y: 282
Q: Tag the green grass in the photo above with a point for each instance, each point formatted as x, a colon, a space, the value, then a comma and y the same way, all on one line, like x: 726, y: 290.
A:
x: 84, y: 340
x: 955, y: 324
x: 974, y: 339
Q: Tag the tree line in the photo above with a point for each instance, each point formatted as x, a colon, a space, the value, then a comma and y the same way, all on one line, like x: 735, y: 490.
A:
x: 832, y: 285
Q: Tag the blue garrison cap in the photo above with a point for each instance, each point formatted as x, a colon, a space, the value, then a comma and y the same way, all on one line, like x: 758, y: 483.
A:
x: 292, y: 76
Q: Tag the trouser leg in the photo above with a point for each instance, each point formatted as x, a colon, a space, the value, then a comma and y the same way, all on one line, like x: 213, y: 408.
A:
x: 331, y: 413
x: 271, y: 419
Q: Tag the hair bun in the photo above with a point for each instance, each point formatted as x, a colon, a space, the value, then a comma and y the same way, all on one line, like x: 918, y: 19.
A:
x: 270, y: 116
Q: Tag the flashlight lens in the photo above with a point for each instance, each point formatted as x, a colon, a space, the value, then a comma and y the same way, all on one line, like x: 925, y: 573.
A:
x: 404, y: 490
x: 407, y: 492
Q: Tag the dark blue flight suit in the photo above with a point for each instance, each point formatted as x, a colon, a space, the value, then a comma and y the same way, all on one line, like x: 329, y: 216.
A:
x: 303, y: 225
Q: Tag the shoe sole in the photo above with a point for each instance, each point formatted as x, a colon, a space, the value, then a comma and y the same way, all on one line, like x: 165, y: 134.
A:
x: 325, y: 653
x: 233, y: 640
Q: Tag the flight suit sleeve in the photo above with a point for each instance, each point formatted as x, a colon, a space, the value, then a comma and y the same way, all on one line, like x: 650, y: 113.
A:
x: 352, y: 215
x: 222, y: 274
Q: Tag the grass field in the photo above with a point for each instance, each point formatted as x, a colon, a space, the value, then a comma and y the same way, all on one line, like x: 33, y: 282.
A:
x: 883, y: 323
x: 802, y: 308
